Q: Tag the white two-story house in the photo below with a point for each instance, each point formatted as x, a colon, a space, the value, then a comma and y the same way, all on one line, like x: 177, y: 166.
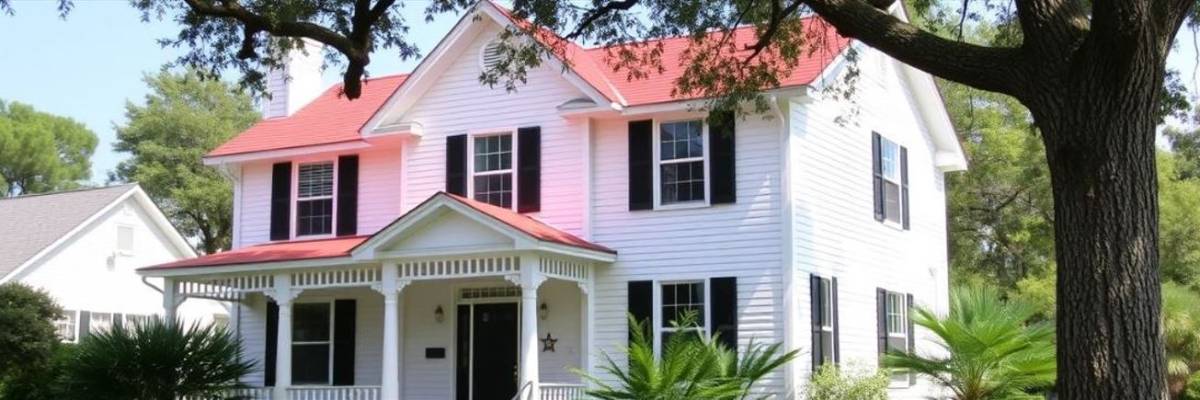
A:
x: 440, y: 239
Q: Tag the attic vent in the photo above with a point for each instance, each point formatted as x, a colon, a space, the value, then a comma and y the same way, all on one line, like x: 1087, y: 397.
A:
x: 490, y: 54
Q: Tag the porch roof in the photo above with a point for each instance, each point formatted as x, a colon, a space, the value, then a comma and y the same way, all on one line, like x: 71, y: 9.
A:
x: 344, y: 247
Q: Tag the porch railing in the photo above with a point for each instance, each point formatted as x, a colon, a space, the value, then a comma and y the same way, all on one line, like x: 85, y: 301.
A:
x: 562, y: 391
x: 334, y: 393
x: 246, y: 393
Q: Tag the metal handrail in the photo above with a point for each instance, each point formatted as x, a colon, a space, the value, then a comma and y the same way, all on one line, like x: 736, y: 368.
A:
x: 527, y: 388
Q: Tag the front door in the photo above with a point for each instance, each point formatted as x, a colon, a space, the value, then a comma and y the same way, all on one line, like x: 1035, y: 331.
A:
x: 487, y: 351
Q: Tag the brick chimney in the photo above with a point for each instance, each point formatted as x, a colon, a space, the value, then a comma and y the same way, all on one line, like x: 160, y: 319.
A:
x: 297, y: 82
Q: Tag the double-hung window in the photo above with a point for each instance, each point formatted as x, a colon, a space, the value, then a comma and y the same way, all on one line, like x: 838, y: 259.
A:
x: 889, y: 154
x: 684, y: 309
x: 897, y: 329
x: 824, y: 337
x: 65, y: 326
x: 314, y: 199
x: 312, y: 338
x: 492, y: 171
x: 682, y: 162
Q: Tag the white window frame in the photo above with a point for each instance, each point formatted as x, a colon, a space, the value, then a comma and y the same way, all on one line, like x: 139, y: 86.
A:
x: 295, y: 208
x: 132, y: 240
x: 69, y: 317
x: 898, y: 181
x: 512, y: 166
x: 95, y: 324
x: 901, y: 378
x: 659, y: 321
x: 658, y: 162
x: 329, y: 343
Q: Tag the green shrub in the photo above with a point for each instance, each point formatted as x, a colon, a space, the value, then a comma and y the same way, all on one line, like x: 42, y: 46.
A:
x: 833, y: 383
x: 157, y: 360
x: 40, y: 382
x: 1192, y: 390
x: 27, y: 335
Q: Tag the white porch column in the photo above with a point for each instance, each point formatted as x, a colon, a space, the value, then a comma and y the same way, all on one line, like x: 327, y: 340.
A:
x: 170, y: 299
x: 283, y: 296
x: 390, y: 287
x: 531, y: 279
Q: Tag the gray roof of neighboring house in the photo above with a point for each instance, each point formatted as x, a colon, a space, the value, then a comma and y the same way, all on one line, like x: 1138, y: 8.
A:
x: 31, y: 223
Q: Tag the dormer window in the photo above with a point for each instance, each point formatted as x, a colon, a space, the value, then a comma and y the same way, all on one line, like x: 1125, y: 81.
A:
x: 314, y: 199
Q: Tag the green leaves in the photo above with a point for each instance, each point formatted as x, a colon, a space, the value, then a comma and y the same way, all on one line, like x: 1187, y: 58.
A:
x: 181, y: 120
x: 991, y: 351
x: 27, y: 336
x: 41, y: 152
x: 690, y: 367
x: 157, y: 360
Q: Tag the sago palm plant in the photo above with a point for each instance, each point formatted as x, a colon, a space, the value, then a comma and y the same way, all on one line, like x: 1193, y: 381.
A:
x: 157, y: 360
x: 991, y: 351
x: 689, y: 367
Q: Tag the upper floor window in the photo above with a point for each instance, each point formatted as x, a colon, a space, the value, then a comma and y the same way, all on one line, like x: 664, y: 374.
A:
x: 891, y: 181
x: 682, y: 161
x: 314, y: 199
x: 492, y: 171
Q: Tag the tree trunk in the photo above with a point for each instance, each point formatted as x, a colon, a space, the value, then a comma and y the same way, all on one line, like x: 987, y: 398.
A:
x: 1099, y: 130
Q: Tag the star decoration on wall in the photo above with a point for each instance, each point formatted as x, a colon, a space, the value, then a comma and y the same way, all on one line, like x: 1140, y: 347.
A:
x: 548, y: 343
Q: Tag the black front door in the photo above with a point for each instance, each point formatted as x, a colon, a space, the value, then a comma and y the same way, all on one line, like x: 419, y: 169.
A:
x: 487, y: 351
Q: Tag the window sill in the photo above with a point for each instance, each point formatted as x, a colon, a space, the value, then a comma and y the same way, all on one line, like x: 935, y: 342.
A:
x: 687, y: 205
x: 892, y: 224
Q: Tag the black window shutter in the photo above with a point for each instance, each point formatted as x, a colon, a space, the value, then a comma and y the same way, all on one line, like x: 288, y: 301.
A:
x: 904, y: 185
x: 641, y: 165
x: 347, y: 200
x: 837, y: 338
x: 814, y: 289
x: 456, y: 164
x: 881, y: 325
x: 877, y: 170
x: 641, y: 306
x: 529, y: 169
x: 344, y: 314
x: 724, y: 310
x: 281, y: 201
x: 272, y: 336
x: 723, y: 164
x: 85, y: 325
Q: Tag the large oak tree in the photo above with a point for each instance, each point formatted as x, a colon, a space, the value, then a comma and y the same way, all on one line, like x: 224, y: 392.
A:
x: 1090, y: 72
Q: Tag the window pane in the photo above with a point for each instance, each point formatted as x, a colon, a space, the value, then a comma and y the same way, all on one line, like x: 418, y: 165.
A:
x: 310, y: 322
x: 315, y: 180
x: 680, y: 299
x: 684, y: 139
x: 896, y: 319
x: 826, y: 347
x: 65, y: 327
x: 493, y: 153
x: 314, y: 217
x: 100, y: 322
x: 495, y: 189
x: 826, y: 317
x: 891, y: 201
x: 890, y: 160
x: 310, y: 364
x: 682, y: 182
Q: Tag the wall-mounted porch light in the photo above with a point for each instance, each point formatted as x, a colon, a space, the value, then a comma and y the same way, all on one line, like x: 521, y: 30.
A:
x: 438, y: 314
x: 543, y: 311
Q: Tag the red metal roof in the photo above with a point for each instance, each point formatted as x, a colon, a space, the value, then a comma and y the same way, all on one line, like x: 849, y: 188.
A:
x: 530, y: 226
x: 272, y: 252
x: 343, y: 246
x: 328, y: 119
x: 331, y: 118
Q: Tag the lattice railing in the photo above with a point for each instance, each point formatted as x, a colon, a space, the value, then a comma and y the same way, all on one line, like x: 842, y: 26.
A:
x: 562, y: 391
x: 336, y: 277
x: 459, y: 268
x: 334, y: 393
x: 226, y: 287
x: 566, y: 269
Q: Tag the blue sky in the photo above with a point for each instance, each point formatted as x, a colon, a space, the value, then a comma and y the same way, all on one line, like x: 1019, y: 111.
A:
x: 89, y: 65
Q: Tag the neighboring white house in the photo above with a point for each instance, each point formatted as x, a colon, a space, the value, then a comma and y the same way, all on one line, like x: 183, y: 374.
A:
x: 438, y: 239
x: 84, y: 246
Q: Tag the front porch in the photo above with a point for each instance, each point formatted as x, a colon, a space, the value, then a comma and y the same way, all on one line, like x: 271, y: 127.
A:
x: 449, y: 302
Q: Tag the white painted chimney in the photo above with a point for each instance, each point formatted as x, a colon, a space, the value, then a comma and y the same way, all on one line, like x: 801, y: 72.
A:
x: 296, y: 83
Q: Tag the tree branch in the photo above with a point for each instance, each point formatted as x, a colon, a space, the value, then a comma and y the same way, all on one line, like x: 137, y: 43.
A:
x: 1051, y: 28
x: 596, y: 13
x: 995, y: 69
